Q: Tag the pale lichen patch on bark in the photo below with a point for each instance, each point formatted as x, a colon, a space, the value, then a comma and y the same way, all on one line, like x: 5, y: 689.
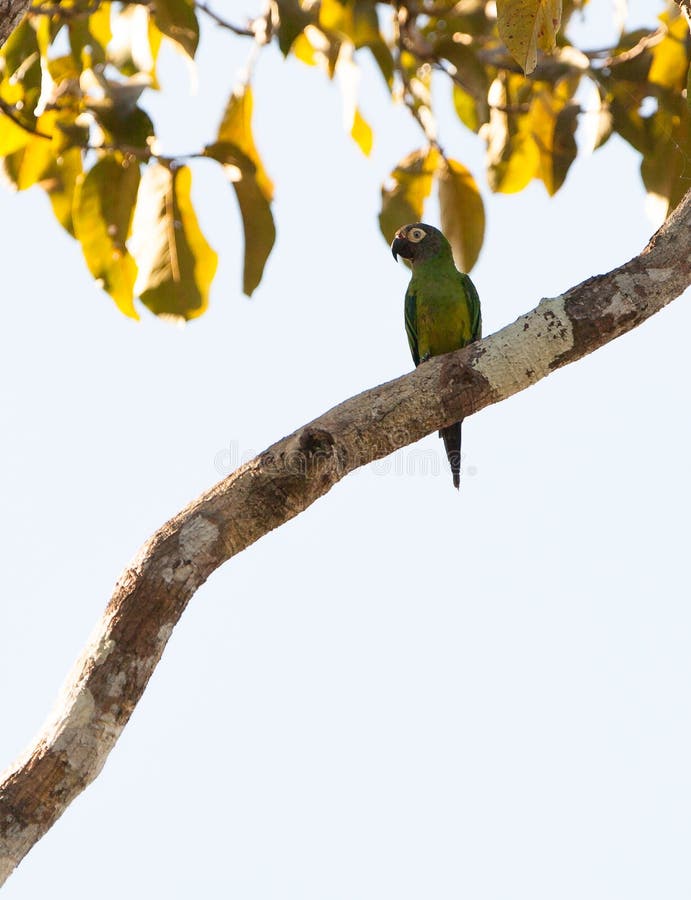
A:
x: 18, y: 839
x: 659, y: 276
x: 197, y: 537
x: 523, y: 352
x: 164, y: 633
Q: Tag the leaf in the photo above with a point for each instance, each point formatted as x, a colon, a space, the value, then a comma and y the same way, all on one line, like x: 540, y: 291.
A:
x: 361, y: 133
x: 177, y: 20
x: 60, y: 183
x: 235, y: 149
x: 665, y: 170
x: 176, y: 264
x: 553, y: 121
x: 20, y: 46
x: 255, y: 209
x: 356, y: 20
x: 292, y: 21
x: 512, y: 155
x: 89, y: 36
x: 32, y: 162
x: 348, y: 75
x: 525, y: 25
x: 12, y: 137
x: 403, y: 201
x: 123, y: 122
x: 462, y: 213
x: 236, y: 128
x: 103, y: 208
x: 670, y: 65
x: 136, y: 42
x: 470, y: 83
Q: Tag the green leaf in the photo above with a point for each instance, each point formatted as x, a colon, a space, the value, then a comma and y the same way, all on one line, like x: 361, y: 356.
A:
x: 470, y: 83
x: 236, y: 129
x: 525, y: 25
x: 60, y: 183
x: 20, y: 46
x: 404, y: 199
x: 462, y: 213
x: 255, y: 209
x: 123, y: 122
x: 665, y: 168
x: 89, y: 36
x: 103, y: 208
x: 356, y: 20
x: 177, y: 20
x: 176, y: 264
x: 292, y: 21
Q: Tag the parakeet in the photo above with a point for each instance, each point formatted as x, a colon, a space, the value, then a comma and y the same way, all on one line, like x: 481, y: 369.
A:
x: 442, y: 309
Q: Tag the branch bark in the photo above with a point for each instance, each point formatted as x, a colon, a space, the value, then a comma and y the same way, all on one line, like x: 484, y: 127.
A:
x: 150, y: 596
x: 11, y: 14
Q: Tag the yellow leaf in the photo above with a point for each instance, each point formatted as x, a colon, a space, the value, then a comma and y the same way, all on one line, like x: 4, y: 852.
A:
x: 303, y: 49
x: 462, y: 212
x: 255, y: 209
x: 670, y: 64
x: 176, y: 264
x: 103, y: 208
x: 525, y: 25
x: 553, y: 121
x: 12, y: 137
x: 362, y: 133
x: 236, y: 128
x: 403, y: 200
x: 32, y: 162
x: 512, y: 154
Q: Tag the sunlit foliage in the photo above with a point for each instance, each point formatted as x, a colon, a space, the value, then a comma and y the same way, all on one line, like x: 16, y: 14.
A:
x: 73, y: 73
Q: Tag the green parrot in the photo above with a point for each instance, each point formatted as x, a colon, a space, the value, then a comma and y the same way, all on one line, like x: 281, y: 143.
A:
x: 442, y: 309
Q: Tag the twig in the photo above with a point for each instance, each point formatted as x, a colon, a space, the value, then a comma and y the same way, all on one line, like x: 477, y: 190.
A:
x: 223, y: 23
x: 11, y: 113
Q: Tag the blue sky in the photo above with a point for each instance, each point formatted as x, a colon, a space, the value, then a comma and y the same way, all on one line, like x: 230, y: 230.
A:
x: 405, y: 691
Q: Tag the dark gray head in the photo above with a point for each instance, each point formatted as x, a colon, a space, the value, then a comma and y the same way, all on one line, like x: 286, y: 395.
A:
x: 418, y: 242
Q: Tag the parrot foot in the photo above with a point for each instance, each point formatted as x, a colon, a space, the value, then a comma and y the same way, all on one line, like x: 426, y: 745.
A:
x: 425, y: 357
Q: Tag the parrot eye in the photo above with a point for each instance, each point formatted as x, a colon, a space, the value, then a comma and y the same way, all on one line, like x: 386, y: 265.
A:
x: 416, y: 235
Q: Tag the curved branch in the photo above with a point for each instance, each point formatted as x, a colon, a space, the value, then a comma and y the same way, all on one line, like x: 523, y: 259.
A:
x: 110, y: 677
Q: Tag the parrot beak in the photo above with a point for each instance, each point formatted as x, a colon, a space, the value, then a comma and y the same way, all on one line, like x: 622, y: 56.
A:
x: 398, y: 246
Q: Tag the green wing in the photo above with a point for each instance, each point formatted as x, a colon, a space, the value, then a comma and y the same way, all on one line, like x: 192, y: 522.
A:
x: 474, y: 306
x: 411, y: 324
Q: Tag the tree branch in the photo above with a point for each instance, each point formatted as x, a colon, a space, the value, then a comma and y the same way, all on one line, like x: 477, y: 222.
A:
x: 11, y: 14
x: 112, y: 673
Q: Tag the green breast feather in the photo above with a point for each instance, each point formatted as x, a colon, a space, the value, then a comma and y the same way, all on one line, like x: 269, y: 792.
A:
x: 442, y: 313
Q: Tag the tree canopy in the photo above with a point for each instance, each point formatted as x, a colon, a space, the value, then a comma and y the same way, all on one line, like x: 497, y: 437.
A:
x: 74, y: 77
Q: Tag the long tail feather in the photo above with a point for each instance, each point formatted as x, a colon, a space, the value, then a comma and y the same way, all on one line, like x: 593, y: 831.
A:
x: 452, y: 444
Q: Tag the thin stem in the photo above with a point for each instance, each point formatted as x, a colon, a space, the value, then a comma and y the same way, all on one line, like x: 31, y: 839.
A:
x: 223, y: 23
x: 11, y: 113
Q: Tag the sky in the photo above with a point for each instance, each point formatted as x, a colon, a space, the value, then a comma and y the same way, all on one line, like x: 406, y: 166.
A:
x: 405, y: 691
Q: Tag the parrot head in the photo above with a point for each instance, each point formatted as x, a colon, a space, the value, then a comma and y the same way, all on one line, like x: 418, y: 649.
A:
x: 417, y: 242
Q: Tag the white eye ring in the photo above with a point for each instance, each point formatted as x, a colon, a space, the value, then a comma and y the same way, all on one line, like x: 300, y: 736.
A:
x: 416, y: 235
